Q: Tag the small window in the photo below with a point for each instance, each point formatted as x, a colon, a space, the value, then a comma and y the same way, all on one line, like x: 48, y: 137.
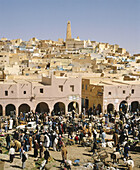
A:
x: 109, y: 93
x: 123, y: 91
x: 6, y: 93
x: 86, y: 87
x: 82, y: 86
x: 132, y: 91
x: 41, y: 90
x: 72, y: 87
x: 24, y: 92
x: 61, y: 88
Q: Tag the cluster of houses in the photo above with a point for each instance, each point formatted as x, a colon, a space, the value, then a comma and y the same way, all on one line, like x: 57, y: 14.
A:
x: 45, y: 76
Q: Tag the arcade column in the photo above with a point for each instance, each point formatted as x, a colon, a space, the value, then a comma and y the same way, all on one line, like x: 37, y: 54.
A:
x: 3, y: 111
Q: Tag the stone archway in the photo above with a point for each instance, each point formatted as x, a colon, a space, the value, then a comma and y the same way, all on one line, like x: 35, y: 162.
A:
x: 134, y: 106
x: 42, y: 107
x: 73, y: 106
x: 59, y: 108
x: 24, y: 108
x: 110, y: 108
x: 123, y: 106
x: 10, y: 108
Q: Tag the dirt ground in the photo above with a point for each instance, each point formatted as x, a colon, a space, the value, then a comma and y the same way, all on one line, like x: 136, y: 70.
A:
x: 74, y: 152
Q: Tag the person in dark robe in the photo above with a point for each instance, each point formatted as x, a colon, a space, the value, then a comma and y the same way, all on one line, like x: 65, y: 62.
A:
x: 24, y: 158
x: 115, y: 138
x: 64, y: 127
x: 126, y: 150
x: 60, y: 128
x: 36, y: 147
x: 122, y: 137
x: 8, y: 141
x: 94, y: 147
x: 46, y: 155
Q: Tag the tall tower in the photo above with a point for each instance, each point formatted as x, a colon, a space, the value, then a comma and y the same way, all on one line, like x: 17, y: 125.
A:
x: 68, y: 36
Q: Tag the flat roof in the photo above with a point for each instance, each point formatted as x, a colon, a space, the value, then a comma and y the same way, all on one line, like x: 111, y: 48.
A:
x: 107, y: 82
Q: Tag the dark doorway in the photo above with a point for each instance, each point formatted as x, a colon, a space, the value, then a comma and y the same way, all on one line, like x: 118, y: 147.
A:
x: 1, y: 111
x: 59, y: 108
x: 86, y: 103
x: 134, y: 106
x: 42, y: 108
x: 9, y: 109
x: 24, y: 108
x: 110, y: 108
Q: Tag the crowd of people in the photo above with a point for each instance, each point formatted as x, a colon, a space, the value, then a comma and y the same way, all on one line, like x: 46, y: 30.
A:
x: 51, y: 132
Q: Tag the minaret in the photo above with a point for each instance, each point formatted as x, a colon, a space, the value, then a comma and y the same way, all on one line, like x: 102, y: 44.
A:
x: 68, y: 36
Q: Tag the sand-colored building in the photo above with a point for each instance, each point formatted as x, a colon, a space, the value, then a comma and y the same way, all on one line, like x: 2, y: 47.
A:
x: 52, y: 93
x: 121, y: 50
x: 106, y: 95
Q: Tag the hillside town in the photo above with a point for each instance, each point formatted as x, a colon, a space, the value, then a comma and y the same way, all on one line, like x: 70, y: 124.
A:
x: 78, y: 98
x: 92, y: 74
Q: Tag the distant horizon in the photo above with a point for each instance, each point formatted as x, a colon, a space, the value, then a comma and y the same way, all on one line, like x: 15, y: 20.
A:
x: 113, y: 22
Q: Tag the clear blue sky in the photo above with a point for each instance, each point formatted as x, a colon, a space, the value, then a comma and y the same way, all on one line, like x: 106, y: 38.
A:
x: 113, y: 21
